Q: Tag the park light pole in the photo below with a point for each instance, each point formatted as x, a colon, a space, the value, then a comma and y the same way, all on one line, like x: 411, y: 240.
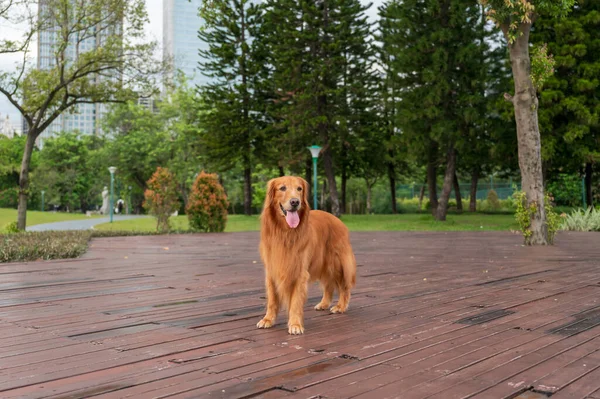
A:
x: 129, y: 202
x: 43, y: 192
x: 315, y: 150
x: 112, y: 171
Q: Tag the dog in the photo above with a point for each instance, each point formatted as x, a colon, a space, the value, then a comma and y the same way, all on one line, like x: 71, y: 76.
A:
x: 298, y: 246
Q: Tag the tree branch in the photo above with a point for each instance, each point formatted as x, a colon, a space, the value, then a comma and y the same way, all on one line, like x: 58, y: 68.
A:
x: 14, y: 102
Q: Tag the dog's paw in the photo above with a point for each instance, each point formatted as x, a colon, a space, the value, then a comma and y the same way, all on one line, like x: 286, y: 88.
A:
x: 296, y: 329
x: 337, y: 309
x: 322, y: 306
x: 265, y: 323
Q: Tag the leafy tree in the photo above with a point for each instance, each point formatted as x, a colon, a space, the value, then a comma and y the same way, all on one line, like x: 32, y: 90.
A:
x: 570, y: 102
x: 232, y: 120
x: 139, y: 143
x: 11, y: 153
x: 66, y: 171
x: 180, y: 113
x: 515, y: 18
x: 105, y: 73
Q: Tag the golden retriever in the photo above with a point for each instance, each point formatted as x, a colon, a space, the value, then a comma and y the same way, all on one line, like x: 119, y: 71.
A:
x: 299, y: 246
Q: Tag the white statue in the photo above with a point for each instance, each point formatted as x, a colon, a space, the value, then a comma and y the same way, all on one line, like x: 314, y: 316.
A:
x: 105, y: 204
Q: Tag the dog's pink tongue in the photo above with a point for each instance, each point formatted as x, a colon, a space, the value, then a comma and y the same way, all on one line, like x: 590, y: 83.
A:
x: 292, y: 219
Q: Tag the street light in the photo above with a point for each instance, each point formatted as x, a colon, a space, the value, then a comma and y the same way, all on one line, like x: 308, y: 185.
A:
x: 43, y: 192
x: 112, y: 171
x: 315, y: 150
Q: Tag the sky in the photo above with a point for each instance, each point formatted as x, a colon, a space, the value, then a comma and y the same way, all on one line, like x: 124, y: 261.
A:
x: 153, y: 32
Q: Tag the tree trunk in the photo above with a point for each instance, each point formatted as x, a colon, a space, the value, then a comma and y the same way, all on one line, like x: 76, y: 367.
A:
x: 392, y: 177
x: 184, y: 194
x: 247, y: 190
x: 281, y: 171
x: 322, y: 204
x: 589, y: 195
x: 308, y: 177
x: 432, y: 177
x: 24, y: 181
x: 459, y: 206
x: 442, y: 208
x: 329, y: 172
x: 422, y: 194
x: 473, y: 193
x: 525, y: 103
x: 344, y: 181
x: 369, y: 191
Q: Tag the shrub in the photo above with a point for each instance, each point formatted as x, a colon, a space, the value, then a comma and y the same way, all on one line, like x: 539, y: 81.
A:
x: 524, y: 212
x: 580, y: 220
x: 207, y: 204
x: 11, y: 228
x: 161, y: 197
x: 566, y: 190
x: 32, y: 246
x: 493, y: 201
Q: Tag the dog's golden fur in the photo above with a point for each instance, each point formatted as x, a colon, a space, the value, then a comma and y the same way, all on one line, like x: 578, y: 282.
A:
x: 317, y: 249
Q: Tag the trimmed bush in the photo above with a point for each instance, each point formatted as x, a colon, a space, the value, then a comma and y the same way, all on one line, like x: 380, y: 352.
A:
x: 493, y: 201
x: 207, y: 204
x: 580, y: 220
x: 11, y: 228
x: 161, y: 197
x: 26, y: 247
x: 48, y: 245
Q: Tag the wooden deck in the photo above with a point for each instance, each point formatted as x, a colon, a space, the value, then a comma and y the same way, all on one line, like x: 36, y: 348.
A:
x: 443, y: 315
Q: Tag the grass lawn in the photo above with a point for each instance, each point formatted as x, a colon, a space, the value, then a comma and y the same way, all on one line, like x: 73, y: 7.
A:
x: 403, y: 222
x: 36, y: 217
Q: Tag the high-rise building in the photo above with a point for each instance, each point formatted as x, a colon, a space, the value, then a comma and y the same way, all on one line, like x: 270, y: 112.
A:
x: 7, y: 128
x: 84, y: 118
x: 180, y: 38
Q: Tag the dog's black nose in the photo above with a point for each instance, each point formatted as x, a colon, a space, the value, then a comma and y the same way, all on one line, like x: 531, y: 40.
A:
x: 295, y: 202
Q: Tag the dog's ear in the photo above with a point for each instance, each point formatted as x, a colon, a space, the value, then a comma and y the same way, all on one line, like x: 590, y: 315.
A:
x: 270, y: 194
x: 305, y: 192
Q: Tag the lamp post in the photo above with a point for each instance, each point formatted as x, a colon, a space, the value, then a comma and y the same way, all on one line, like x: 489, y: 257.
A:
x: 43, y: 192
x: 315, y: 150
x: 112, y: 171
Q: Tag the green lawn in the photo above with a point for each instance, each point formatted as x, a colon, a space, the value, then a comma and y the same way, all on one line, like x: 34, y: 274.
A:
x: 403, y: 222
x: 36, y: 217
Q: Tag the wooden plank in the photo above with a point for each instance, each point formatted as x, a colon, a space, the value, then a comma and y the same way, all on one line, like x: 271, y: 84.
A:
x: 174, y: 316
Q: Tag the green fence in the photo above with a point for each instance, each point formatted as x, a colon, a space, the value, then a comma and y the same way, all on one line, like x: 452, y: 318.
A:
x: 503, y: 189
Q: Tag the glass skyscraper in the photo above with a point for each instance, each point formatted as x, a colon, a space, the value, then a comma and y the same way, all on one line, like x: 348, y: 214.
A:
x: 180, y: 37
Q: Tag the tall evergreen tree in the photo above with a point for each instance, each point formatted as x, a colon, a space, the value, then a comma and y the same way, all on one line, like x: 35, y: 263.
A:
x: 320, y: 57
x: 437, y: 59
x: 233, y: 118
x: 387, y: 94
x: 570, y: 100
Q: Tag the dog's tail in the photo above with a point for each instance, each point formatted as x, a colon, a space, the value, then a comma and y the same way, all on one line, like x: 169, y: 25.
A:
x: 349, y: 267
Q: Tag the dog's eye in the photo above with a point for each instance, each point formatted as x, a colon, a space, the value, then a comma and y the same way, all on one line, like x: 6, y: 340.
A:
x: 282, y: 188
x: 299, y: 188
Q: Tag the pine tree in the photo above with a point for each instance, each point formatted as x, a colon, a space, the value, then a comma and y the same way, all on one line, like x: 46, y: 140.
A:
x: 570, y: 100
x: 233, y: 118
x: 437, y: 59
x: 320, y: 55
